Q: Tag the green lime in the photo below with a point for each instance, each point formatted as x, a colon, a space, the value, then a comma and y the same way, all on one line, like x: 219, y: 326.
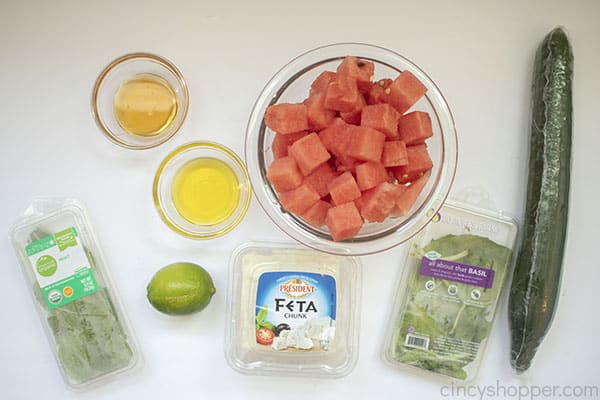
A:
x: 180, y: 288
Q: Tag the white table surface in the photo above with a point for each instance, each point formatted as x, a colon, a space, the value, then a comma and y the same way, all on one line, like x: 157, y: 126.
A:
x: 479, y: 53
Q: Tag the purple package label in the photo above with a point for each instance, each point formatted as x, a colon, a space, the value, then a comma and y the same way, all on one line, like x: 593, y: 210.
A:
x: 457, y: 272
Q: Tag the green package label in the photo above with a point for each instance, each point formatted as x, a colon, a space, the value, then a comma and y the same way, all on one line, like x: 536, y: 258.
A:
x: 66, y: 239
x: 62, y: 268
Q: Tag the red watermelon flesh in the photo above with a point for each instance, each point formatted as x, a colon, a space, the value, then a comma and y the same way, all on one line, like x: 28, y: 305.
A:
x: 382, y: 117
x: 287, y: 118
x: 309, y: 153
x: 356, y: 151
x: 284, y: 174
x: 377, y: 203
x: 281, y: 143
x: 342, y: 94
x: 323, y: 80
x: 377, y: 93
x: 298, y: 200
x: 415, y: 127
x: 394, y: 154
x: 344, y: 221
x: 318, y: 116
x: 319, y: 179
x: 419, y: 163
x: 366, y: 144
x: 361, y: 70
x: 343, y: 188
x: 370, y: 174
x: 353, y: 117
x: 316, y: 214
x: 405, y: 91
x: 336, y: 138
x: 406, y: 201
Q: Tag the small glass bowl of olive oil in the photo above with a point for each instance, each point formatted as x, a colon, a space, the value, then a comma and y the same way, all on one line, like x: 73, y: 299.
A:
x: 140, y: 100
x: 201, y: 190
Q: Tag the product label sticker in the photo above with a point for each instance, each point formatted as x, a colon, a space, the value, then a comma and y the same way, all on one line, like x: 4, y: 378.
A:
x: 432, y: 265
x: 62, y: 268
x: 295, y: 311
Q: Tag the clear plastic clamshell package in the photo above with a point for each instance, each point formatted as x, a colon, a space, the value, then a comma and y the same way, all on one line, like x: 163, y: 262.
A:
x: 72, y: 292
x: 449, y: 291
x: 292, y: 311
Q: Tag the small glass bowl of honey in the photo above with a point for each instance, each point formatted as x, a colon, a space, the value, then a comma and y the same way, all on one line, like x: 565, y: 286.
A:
x: 140, y: 100
x: 201, y: 190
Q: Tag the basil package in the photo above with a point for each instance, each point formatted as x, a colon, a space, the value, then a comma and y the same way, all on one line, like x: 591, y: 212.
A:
x: 449, y: 291
x: 64, y: 270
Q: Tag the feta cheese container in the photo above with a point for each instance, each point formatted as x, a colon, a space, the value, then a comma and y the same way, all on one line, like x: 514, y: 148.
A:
x: 292, y: 311
x: 72, y: 293
x: 449, y: 291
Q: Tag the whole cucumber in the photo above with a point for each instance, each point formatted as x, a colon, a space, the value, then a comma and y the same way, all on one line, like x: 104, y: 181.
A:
x: 536, y: 280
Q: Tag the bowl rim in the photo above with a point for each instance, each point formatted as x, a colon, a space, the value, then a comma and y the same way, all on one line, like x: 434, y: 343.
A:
x: 115, y: 64
x: 231, y: 156
x: 272, y: 91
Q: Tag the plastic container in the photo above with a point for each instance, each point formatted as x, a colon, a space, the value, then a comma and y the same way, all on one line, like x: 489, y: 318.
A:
x: 292, y: 311
x: 291, y: 84
x: 216, y: 186
x: 72, y: 293
x: 449, y: 290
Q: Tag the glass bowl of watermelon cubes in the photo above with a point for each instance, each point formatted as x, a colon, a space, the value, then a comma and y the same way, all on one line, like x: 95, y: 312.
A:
x: 351, y: 149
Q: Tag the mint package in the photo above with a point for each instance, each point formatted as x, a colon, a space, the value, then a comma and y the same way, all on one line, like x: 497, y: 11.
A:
x: 449, y: 291
x: 72, y: 293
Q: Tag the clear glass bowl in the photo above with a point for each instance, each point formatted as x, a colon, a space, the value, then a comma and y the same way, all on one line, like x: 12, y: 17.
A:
x: 165, y: 176
x: 121, y: 70
x: 291, y: 84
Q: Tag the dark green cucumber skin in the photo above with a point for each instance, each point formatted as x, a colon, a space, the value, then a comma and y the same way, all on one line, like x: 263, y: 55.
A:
x: 536, y: 280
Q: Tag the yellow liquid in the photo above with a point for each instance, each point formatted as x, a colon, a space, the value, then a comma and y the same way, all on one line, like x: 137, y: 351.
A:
x: 145, y: 105
x: 205, y: 191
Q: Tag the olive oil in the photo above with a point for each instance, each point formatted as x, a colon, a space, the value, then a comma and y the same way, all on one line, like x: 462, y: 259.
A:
x: 145, y: 105
x: 205, y: 191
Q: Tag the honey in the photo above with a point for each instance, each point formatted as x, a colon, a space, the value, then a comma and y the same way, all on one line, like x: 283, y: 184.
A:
x: 145, y: 105
x: 205, y: 191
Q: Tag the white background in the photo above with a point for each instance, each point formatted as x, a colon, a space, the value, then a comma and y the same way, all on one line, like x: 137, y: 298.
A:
x: 480, y: 53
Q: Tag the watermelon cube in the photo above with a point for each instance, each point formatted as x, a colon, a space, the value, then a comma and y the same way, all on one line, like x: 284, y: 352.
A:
x: 287, y: 118
x: 320, y: 178
x: 370, y: 174
x: 415, y: 127
x: 358, y: 203
x: 377, y: 93
x: 406, y: 201
x: 342, y: 94
x: 379, y: 202
x: 343, y: 188
x: 361, y: 70
x: 353, y: 117
x: 318, y: 116
x: 382, y: 117
x: 394, y: 154
x: 317, y: 213
x: 298, y: 200
x: 323, y: 80
x: 336, y: 139
x: 405, y: 91
x: 281, y: 143
x: 343, y: 221
x: 366, y: 144
x: 419, y: 163
x: 309, y: 153
x: 284, y: 175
